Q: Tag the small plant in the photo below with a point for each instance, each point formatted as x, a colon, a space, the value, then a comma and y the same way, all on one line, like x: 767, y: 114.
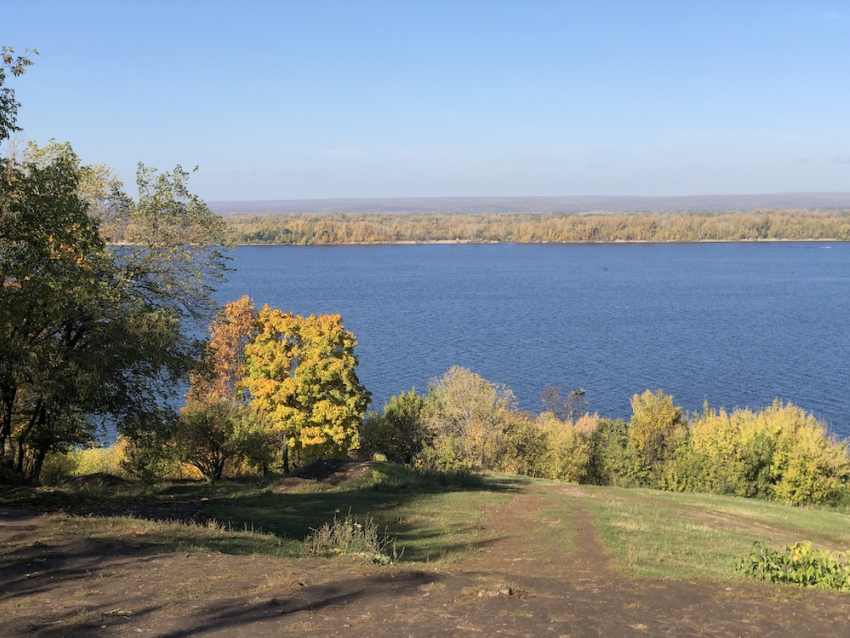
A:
x: 350, y: 537
x: 800, y: 564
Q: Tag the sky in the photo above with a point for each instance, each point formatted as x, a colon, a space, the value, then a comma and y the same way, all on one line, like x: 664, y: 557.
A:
x: 400, y: 98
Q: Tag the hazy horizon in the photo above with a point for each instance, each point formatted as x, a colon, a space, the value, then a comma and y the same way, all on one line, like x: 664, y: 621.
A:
x: 536, y: 204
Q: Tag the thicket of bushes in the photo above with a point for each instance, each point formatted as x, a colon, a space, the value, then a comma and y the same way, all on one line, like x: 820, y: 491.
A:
x: 779, y: 453
x: 466, y: 424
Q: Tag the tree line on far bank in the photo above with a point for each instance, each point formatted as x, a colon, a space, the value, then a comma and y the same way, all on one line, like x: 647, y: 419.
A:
x: 349, y: 228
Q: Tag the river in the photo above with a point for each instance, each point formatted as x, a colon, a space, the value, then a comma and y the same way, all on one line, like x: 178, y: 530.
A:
x: 732, y: 324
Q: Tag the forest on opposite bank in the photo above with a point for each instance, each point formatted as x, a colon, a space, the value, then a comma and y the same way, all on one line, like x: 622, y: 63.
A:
x: 301, y: 229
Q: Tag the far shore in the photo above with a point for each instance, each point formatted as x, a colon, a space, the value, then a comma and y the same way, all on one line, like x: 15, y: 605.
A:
x: 436, y: 242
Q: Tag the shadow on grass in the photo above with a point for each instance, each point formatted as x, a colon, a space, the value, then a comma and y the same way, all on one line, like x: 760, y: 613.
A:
x: 429, y: 519
x: 431, y: 515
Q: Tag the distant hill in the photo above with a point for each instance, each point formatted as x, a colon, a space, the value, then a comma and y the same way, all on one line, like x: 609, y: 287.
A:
x: 565, y: 204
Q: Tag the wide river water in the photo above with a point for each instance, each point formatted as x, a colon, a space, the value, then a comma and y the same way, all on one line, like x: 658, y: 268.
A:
x: 733, y: 324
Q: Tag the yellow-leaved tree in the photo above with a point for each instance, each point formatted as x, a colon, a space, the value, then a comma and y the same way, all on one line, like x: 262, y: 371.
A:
x: 301, y: 374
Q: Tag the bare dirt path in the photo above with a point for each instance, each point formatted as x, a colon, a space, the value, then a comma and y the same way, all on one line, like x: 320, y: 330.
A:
x: 513, y: 586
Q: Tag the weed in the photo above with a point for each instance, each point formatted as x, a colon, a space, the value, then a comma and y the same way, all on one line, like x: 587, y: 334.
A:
x: 86, y: 618
x: 193, y: 589
x: 350, y: 537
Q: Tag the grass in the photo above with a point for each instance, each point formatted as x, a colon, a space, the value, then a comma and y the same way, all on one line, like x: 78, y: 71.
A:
x: 430, y: 520
x: 440, y: 520
x: 664, y: 535
x: 166, y: 535
x: 432, y: 517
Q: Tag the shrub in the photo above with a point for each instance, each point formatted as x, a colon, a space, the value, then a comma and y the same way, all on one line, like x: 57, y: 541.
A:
x: 445, y: 455
x: 350, y: 537
x: 60, y: 466
x: 799, y: 564
x: 465, y: 415
x: 615, y: 458
x: 657, y: 427
x: 393, y: 476
x: 211, y: 434
x: 568, y: 449
x: 399, y: 433
x: 779, y: 453
x: 524, y: 446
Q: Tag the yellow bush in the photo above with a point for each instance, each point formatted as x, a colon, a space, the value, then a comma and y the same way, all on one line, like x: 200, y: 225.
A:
x: 657, y: 426
x: 568, y: 449
x: 96, y: 460
x: 59, y: 466
x: 780, y: 452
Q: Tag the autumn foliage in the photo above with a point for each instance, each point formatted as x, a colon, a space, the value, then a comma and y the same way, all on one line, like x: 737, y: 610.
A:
x: 278, y: 385
x: 303, y: 229
x: 271, y: 380
x: 221, y: 371
x: 467, y: 423
x: 301, y: 375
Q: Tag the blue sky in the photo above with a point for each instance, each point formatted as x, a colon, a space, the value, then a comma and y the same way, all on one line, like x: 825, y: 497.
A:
x: 356, y: 98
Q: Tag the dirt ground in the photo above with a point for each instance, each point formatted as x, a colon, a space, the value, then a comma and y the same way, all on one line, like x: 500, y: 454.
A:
x: 88, y: 588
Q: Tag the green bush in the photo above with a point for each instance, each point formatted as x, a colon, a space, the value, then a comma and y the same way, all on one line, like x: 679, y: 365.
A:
x: 524, y: 446
x: 615, y: 458
x: 58, y: 467
x: 465, y: 416
x: 799, y: 564
x: 394, y: 476
x: 445, y: 455
x: 399, y: 433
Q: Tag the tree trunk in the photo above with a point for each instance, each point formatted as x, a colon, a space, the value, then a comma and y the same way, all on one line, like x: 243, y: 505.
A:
x: 7, y: 400
x: 285, y: 456
x: 38, y: 416
x: 37, y: 462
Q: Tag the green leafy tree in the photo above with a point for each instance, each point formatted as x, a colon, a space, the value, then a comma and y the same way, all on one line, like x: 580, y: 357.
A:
x: 301, y: 374
x: 213, y: 433
x: 84, y: 336
x: 89, y: 333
